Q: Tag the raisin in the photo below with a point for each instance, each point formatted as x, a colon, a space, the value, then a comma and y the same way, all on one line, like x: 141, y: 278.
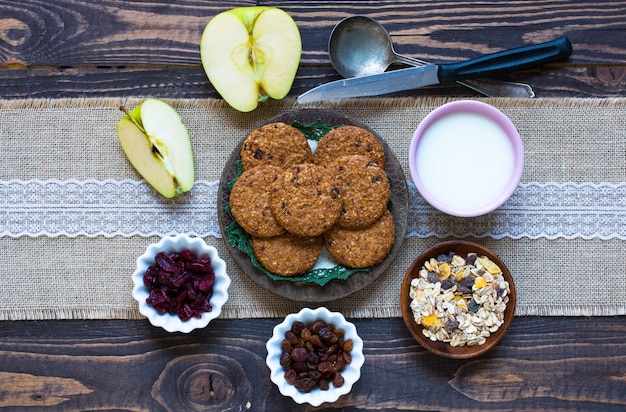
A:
x: 327, y: 336
x: 468, y: 281
x: 305, y: 384
x: 452, y: 325
x: 291, y: 377
x: 300, y: 367
x: 463, y: 289
x: 285, y: 359
x: 316, y: 341
x: 323, y: 384
x: 447, y: 283
x: 258, y: 154
x: 314, y: 355
x: 299, y: 354
x: 338, y: 380
x: 317, y: 326
x: 347, y: 358
x: 315, y: 375
x: 325, y: 367
x: 305, y: 334
x: 432, y: 277
x: 297, y: 328
x: 291, y: 338
x: 472, y: 306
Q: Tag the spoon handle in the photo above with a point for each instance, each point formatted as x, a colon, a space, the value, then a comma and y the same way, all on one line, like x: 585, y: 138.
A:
x: 488, y: 87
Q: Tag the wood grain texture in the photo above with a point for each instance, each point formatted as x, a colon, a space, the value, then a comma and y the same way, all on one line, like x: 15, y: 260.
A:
x: 66, y: 48
x: 541, y: 364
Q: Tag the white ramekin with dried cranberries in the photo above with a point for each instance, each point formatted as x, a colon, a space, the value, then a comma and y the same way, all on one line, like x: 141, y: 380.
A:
x: 180, y: 283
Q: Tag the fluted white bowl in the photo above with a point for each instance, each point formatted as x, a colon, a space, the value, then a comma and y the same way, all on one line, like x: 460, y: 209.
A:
x: 178, y: 243
x: 351, y: 372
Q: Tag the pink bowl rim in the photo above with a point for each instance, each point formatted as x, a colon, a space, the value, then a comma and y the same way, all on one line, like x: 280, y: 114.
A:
x: 490, y: 113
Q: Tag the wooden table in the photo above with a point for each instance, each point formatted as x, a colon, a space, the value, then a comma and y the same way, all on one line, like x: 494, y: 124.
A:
x: 71, y: 48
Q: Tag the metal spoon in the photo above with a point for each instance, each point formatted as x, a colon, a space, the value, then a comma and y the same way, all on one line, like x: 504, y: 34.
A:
x: 360, y: 46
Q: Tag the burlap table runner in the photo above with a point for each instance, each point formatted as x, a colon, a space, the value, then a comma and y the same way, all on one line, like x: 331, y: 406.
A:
x: 44, y: 276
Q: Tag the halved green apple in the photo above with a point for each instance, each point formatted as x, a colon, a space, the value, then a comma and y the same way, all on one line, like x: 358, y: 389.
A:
x: 250, y: 54
x: 156, y: 142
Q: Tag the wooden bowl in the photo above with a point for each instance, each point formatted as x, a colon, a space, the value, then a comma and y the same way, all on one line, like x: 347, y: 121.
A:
x: 444, y: 349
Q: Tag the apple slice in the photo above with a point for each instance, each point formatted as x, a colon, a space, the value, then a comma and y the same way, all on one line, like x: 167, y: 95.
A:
x: 156, y: 142
x: 250, y: 54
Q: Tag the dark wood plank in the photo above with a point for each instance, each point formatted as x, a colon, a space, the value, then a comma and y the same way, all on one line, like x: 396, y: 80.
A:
x: 72, y: 33
x: 575, y: 81
x: 542, y: 363
x: 68, y: 48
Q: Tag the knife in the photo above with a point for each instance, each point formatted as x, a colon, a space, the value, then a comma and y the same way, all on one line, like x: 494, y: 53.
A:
x: 431, y: 74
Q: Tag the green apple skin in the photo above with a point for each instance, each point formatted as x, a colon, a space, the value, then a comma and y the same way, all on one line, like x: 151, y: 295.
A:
x: 250, y: 54
x: 157, y: 144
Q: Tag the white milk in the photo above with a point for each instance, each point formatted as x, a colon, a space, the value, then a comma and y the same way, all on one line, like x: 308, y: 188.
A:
x: 465, y: 160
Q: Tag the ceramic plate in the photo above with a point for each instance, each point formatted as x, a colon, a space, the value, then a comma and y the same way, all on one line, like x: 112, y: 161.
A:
x: 335, y: 289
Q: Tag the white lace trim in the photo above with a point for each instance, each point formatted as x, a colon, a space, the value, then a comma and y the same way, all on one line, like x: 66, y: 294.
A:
x: 104, y: 208
x: 132, y: 208
x: 551, y: 210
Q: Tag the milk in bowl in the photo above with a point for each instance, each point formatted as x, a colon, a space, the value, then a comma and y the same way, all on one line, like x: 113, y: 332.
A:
x: 466, y: 158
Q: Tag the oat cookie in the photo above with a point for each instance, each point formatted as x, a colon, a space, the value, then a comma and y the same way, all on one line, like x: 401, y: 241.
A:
x: 362, y: 248
x: 277, y: 144
x: 349, y: 140
x: 287, y: 254
x: 364, y: 188
x: 250, y: 201
x: 305, y: 200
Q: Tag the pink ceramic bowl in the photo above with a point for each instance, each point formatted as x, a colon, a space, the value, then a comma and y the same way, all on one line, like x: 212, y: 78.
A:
x: 466, y: 158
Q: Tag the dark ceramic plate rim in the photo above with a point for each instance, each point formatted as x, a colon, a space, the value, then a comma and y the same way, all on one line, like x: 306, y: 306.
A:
x: 442, y: 348
x: 336, y: 289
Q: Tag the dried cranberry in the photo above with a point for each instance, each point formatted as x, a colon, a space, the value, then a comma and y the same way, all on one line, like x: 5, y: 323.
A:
x: 165, y: 262
x: 180, y: 283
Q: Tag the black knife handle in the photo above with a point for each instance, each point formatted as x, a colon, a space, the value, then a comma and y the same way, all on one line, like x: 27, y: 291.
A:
x: 506, y: 61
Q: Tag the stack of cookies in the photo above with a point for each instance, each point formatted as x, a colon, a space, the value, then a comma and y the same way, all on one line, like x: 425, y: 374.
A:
x: 292, y: 200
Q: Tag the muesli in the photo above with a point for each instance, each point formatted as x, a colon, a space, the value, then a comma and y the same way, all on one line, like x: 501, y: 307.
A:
x: 459, y: 300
